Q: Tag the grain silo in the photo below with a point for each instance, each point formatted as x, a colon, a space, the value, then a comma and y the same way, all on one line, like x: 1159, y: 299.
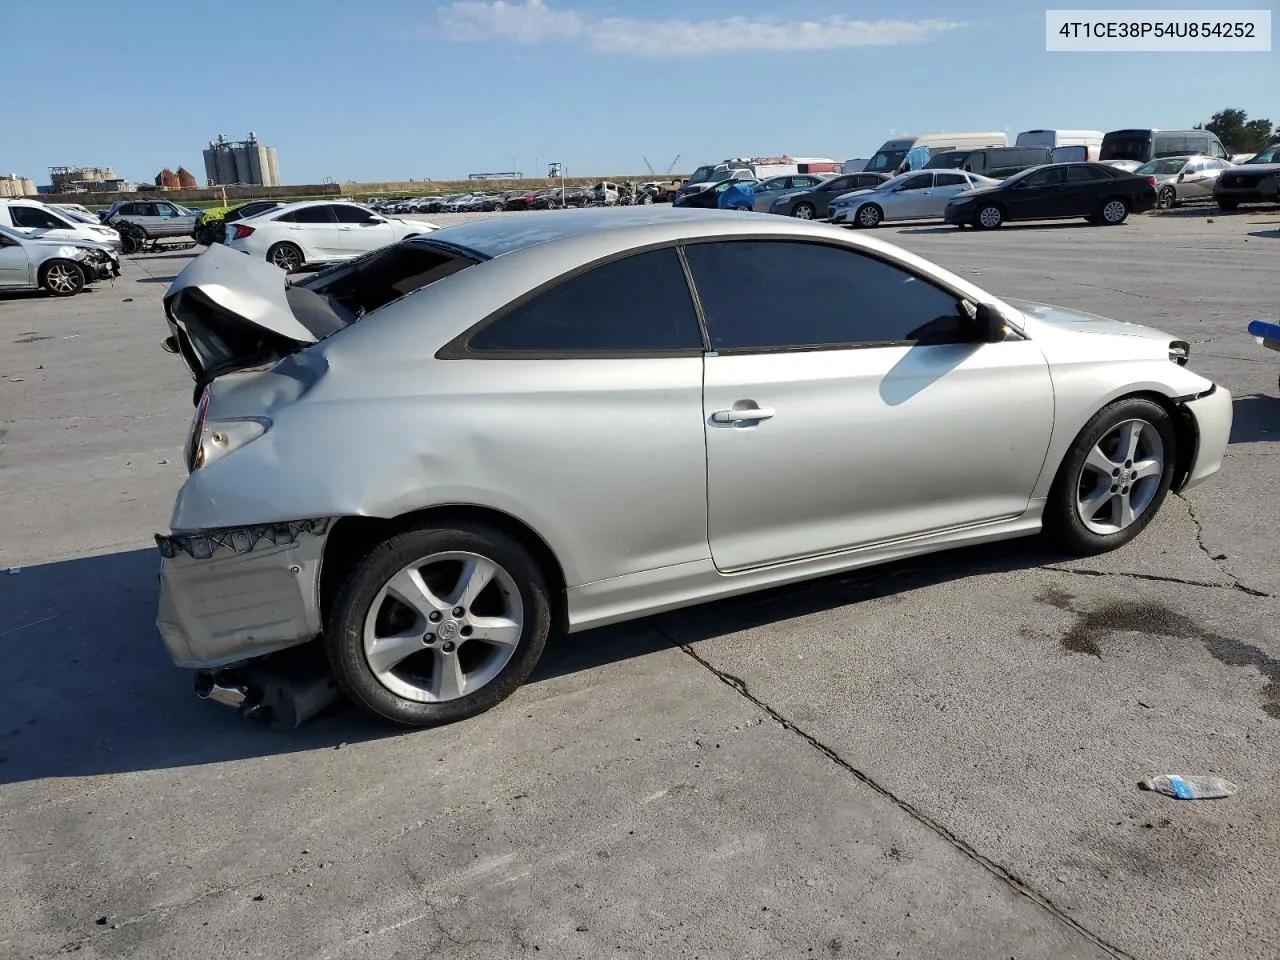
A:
x: 16, y: 186
x: 244, y: 162
x: 273, y: 168
x: 185, y: 180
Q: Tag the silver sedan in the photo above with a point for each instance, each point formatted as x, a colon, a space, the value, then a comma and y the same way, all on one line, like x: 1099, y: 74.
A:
x: 434, y: 456
x: 909, y: 196
x: 1180, y: 179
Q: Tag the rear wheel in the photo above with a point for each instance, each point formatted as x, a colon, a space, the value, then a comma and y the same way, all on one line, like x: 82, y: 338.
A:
x: 1113, y: 479
x: 286, y: 256
x: 869, y: 216
x: 62, y: 278
x: 804, y: 211
x: 437, y: 624
x: 989, y: 217
x: 1113, y: 212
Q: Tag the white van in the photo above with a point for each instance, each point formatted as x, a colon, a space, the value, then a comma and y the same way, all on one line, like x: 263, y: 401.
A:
x: 1074, y: 146
x: 893, y: 155
x: 42, y: 221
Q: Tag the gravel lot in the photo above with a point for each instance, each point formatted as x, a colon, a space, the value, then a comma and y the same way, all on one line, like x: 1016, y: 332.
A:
x: 937, y: 758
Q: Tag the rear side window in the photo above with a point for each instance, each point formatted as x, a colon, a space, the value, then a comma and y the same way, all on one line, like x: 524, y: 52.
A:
x: 640, y: 304
x: 950, y: 180
x: 781, y: 295
x: 1084, y: 174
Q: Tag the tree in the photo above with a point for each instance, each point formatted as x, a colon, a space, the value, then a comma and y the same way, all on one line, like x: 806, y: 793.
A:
x: 1238, y: 133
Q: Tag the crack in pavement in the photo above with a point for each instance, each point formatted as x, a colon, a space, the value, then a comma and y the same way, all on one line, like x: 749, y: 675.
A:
x: 998, y: 870
x: 1235, y: 581
x: 1141, y: 576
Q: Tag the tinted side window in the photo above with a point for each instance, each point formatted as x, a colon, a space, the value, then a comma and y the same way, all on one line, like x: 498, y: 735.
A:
x: 950, y: 179
x: 921, y: 181
x: 1170, y: 145
x: 1084, y: 174
x: 349, y: 214
x: 636, y: 305
x: 320, y: 214
x: 33, y: 218
x: 287, y: 217
x: 839, y: 184
x: 771, y: 294
x: 1045, y: 178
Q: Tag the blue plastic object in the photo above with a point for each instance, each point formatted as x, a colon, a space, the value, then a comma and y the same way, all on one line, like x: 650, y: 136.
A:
x: 1266, y: 330
x: 737, y: 197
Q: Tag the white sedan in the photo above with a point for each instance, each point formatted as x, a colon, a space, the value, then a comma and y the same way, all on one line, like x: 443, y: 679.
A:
x: 318, y: 231
x: 920, y: 195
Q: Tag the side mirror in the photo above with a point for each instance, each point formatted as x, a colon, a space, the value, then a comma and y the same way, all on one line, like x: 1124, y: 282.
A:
x: 989, y: 326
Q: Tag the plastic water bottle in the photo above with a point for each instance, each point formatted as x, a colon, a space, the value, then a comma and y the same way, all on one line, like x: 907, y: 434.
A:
x: 1189, y: 788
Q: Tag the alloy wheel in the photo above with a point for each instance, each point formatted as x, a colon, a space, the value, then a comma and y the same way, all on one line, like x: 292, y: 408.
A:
x: 803, y: 211
x: 287, y: 258
x: 1120, y: 477
x: 61, y: 278
x: 443, y: 627
x: 990, y: 217
x: 1114, y: 211
x: 1167, y: 198
x: 869, y: 216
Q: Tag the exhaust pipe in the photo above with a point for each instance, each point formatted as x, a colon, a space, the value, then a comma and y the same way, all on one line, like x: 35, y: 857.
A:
x: 283, y: 691
x: 229, y: 694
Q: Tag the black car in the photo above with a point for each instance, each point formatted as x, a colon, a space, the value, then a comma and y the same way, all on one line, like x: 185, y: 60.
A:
x: 1257, y: 180
x: 1095, y: 191
x: 709, y: 199
x: 815, y: 203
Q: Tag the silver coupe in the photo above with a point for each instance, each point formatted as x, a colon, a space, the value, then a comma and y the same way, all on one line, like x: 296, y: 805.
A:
x: 433, y: 456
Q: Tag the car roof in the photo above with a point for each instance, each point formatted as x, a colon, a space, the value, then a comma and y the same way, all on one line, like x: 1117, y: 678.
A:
x: 617, y: 229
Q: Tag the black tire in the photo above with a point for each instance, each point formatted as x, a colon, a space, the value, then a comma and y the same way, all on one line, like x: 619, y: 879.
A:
x: 1228, y: 204
x: 1167, y: 198
x: 990, y: 217
x: 804, y: 211
x: 868, y: 216
x: 1062, y: 521
x: 344, y: 631
x: 286, y: 256
x: 498, y: 208
x: 1113, y: 212
x: 62, y: 278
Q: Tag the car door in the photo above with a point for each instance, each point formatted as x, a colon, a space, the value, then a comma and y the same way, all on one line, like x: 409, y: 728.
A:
x: 1036, y: 196
x: 316, y: 229
x: 598, y: 379
x: 845, y: 404
x: 909, y: 199
x: 1085, y: 190
x: 1197, y: 179
x: 945, y: 186
x: 361, y: 230
x: 828, y: 190
x: 15, y: 267
x: 169, y: 221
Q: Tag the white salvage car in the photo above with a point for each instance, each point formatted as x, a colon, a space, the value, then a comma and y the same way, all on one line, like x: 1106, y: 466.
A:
x: 312, y: 232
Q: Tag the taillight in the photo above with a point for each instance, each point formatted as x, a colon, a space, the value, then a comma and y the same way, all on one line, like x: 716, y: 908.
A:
x: 1151, y: 180
x: 194, y: 452
x: 242, y: 231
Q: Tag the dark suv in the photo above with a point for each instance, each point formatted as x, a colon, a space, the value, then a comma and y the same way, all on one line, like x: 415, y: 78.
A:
x: 1257, y: 180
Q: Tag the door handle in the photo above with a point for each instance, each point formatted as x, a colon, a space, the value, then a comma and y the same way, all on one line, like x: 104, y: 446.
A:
x: 745, y: 415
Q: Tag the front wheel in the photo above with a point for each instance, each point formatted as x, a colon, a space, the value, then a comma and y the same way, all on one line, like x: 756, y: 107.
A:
x: 1113, y: 212
x: 804, y: 211
x: 285, y: 256
x: 869, y: 216
x: 498, y: 208
x: 437, y: 624
x: 1167, y: 199
x: 1113, y: 478
x: 989, y: 217
x: 61, y: 278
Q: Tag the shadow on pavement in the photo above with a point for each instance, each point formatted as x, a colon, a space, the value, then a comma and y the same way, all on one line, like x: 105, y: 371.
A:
x: 1256, y: 419
x: 1267, y: 234
x: 157, y: 279
x: 1034, y: 225
x: 91, y: 690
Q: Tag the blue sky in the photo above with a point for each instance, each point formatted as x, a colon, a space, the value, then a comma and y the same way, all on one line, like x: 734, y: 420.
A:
x: 391, y: 89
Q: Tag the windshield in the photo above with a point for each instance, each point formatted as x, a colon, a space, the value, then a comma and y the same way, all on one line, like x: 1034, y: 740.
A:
x: 951, y: 160
x: 1162, y: 166
x: 885, y: 161
x: 701, y: 175
x: 1130, y: 147
x: 1269, y: 155
x: 78, y: 216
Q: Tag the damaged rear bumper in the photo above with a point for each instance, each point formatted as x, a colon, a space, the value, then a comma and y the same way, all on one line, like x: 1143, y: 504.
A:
x: 233, y: 595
